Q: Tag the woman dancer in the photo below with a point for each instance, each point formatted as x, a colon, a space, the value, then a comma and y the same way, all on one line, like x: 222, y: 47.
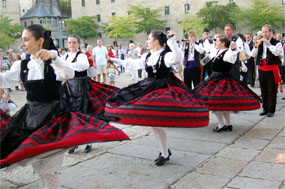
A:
x: 161, y: 100
x: 41, y: 130
x: 225, y: 94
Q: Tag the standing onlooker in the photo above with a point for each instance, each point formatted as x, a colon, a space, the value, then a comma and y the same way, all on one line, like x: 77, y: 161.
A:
x: 91, y: 71
x: 192, y: 51
x: 244, y: 53
x: 267, y: 50
x: 282, y: 68
x: 132, y: 53
x: 100, y: 52
x: 139, y: 50
x: 11, y: 57
x: 250, y: 62
x: 122, y: 54
x: 206, y: 44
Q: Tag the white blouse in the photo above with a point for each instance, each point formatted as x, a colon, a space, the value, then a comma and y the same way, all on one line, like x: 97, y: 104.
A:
x: 81, y: 63
x: 172, y: 58
x: 230, y: 56
x: 11, y: 78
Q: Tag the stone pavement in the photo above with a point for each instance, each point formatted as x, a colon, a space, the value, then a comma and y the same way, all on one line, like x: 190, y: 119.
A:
x: 243, y: 158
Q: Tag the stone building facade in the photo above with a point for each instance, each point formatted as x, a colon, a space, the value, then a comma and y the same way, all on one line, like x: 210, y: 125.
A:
x: 10, y: 8
x: 174, y: 12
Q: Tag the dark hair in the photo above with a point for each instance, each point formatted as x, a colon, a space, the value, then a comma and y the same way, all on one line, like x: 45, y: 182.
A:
x: 38, y: 31
x: 206, y: 30
x: 230, y: 25
x: 224, y: 39
x: 162, y: 39
x: 241, y: 36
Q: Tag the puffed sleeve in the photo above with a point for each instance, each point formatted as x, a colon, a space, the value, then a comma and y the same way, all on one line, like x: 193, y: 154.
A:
x: 275, y: 49
x: 130, y: 63
x: 230, y: 56
x: 62, y: 69
x: 11, y: 78
x: 175, y: 57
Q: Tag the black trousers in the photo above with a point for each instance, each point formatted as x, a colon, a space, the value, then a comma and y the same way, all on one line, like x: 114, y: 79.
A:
x: 251, y: 72
x: 191, y: 75
x: 268, y: 90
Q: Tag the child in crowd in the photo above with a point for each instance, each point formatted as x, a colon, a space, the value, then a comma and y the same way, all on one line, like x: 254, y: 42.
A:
x: 111, y: 73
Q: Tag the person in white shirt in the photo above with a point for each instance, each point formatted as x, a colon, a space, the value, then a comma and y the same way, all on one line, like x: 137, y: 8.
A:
x: 100, y: 56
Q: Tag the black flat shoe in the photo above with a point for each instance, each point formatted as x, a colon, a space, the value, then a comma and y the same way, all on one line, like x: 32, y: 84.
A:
x: 87, y: 149
x: 263, y: 113
x: 228, y: 128
x: 218, y: 129
x: 168, y: 157
x: 161, y: 161
x: 72, y: 150
x: 270, y: 114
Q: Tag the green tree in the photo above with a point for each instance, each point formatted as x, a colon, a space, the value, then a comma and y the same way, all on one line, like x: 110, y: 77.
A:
x: 146, y: 19
x: 119, y: 27
x: 85, y: 27
x: 192, y: 22
x: 9, y: 32
x: 217, y: 16
x: 65, y: 7
x: 262, y: 13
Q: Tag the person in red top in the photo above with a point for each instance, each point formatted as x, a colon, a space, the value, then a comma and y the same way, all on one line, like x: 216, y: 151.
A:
x: 110, y: 53
x: 91, y: 72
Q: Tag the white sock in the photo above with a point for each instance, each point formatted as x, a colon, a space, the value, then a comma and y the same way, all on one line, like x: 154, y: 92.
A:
x: 161, y: 137
x: 227, y: 116
x: 220, y: 118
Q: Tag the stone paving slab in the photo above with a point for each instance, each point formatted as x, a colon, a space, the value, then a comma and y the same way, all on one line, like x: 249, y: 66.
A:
x: 207, y: 134
x: 204, y: 147
x: 238, y: 153
x: 251, y: 183
x: 269, y: 155
x: 282, y: 133
x: 134, y: 166
x: 278, y: 142
x: 178, y: 157
x: 267, y: 171
x: 261, y: 133
x: 7, y: 185
x: 197, y: 180
x: 247, y: 142
x: 222, y: 167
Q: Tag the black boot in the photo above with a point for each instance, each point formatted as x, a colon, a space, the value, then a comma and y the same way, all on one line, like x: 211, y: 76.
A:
x: 87, y: 148
x: 72, y: 150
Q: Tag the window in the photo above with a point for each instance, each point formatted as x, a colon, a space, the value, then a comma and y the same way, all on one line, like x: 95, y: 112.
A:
x: 112, y: 1
x: 23, y: 10
x: 208, y: 4
x: 32, y: 22
x: 129, y: 12
x: 167, y: 29
x: 166, y: 10
x: 113, y: 13
x: 83, y: 3
x: 97, y: 2
x: 41, y: 22
x: 283, y: 2
x: 4, y: 3
x: 25, y: 24
x: 98, y: 18
x: 187, y: 8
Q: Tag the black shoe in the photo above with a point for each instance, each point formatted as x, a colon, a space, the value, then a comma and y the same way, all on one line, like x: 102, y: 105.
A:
x: 160, y: 161
x: 270, y: 114
x: 228, y: 128
x: 263, y: 113
x: 87, y: 148
x: 283, y: 98
x: 72, y: 150
x: 218, y: 129
x: 168, y: 157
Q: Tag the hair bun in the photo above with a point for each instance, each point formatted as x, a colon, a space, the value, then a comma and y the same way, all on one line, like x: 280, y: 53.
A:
x: 47, y: 34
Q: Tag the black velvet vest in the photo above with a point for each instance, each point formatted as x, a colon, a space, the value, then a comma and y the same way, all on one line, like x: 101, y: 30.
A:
x: 159, y: 70
x: 196, y: 55
x: 219, y: 65
x: 44, y: 90
x: 78, y: 74
x: 270, y: 58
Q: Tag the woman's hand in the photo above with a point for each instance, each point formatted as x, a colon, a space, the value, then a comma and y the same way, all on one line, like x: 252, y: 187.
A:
x: 170, y: 33
x: 45, y: 55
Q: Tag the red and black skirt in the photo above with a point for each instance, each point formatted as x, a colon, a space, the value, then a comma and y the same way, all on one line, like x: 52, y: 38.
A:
x: 30, y: 133
x: 158, y: 102
x: 224, y: 93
